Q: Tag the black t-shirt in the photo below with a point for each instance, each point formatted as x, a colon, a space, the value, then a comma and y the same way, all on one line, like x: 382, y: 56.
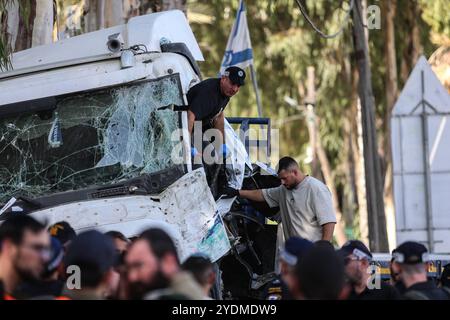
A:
x: 39, y: 289
x: 385, y: 292
x: 400, y: 287
x: 206, y: 100
x: 425, y: 291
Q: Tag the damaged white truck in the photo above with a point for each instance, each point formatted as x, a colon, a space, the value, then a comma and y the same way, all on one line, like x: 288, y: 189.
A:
x: 90, y: 134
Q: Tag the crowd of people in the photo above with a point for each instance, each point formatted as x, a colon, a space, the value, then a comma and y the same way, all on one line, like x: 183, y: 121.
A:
x: 56, y: 263
x: 319, y: 271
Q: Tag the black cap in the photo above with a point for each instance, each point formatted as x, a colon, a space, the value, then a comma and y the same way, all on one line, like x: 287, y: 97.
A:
x: 62, y: 231
x: 93, y: 249
x: 356, y: 248
x: 294, y: 249
x: 410, y: 252
x: 236, y: 75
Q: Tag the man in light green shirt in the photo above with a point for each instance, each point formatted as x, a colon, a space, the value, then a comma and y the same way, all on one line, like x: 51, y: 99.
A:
x: 305, y: 203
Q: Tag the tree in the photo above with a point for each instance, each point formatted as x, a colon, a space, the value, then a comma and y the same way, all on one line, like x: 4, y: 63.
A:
x: 391, y: 87
x: 43, y: 22
x: 114, y: 13
x: 313, y: 123
x: 94, y: 18
x: 174, y: 4
x: 24, y: 24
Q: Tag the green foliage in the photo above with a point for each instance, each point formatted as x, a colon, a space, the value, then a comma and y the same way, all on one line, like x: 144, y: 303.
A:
x: 5, y: 61
x: 437, y: 15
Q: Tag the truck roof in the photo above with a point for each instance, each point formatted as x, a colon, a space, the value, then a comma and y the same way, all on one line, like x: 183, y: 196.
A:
x: 147, y: 30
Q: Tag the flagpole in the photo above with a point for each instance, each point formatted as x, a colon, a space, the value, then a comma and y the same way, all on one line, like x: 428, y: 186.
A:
x: 255, y: 87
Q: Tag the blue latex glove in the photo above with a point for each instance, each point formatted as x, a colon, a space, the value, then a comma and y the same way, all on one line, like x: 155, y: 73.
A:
x: 194, y: 152
x: 225, y: 151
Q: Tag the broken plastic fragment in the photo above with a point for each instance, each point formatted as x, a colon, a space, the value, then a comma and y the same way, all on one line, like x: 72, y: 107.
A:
x: 55, y: 135
x: 16, y: 209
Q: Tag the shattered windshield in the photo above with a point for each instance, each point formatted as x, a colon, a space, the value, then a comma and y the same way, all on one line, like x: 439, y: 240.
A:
x: 90, y: 139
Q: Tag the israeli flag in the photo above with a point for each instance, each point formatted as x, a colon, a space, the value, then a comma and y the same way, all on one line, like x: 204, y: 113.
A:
x: 239, y: 48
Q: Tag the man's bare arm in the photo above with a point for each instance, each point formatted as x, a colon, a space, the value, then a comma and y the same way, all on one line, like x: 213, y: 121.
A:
x: 255, y: 195
x: 327, y: 231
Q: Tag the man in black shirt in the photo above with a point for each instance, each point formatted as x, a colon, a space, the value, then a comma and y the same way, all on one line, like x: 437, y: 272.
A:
x: 48, y: 285
x: 357, y: 258
x: 24, y: 251
x: 412, y: 260
x: 208, y: 99
x: 395, y: 276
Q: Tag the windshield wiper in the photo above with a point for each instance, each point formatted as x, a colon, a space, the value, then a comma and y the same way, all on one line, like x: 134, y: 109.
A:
x: 9, y: 205
x: 34, y: 203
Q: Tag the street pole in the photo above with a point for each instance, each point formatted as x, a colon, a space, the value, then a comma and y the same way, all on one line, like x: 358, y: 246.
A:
x: 374, y: 184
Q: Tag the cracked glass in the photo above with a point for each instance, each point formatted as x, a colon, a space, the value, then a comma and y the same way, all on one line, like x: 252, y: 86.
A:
x: 90, y: 139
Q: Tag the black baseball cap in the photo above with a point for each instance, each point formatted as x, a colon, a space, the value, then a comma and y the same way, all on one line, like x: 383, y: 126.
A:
x: 410, y: 252
x: 62, y: 231
x: 92, y: 249
x: 356, y: 248
x: 294, y: 249
x: 236, y: 75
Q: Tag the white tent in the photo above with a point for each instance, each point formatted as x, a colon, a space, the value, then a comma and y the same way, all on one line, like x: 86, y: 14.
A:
x: 420, y: 134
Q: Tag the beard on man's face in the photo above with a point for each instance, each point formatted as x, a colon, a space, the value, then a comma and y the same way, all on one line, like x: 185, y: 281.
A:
x: 291, y: 186
x: 137, y: 290
x: 355, y: 278
x: 25, y: 273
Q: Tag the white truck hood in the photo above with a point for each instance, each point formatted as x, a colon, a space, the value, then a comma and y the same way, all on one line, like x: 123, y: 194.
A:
x: 186, y: 210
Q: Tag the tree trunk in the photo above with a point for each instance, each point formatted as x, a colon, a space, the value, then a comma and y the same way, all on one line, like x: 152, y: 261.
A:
x: 94, y: 16
x: 27, y: 15
x: 173, y: 4
x: 28, y: 24
x: 114, y: 14
x: 43, y: 23
x: 341, y: 237
x: 11, y: 24
x: 313, y: 125
x: 90, y: 16
x: 414, y: 46
x: 357, y: 156
x: 101, y: 14
x: 391, y: 87
x: 349, y: 203
x: 149, y: 6
x: 130, y: 9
